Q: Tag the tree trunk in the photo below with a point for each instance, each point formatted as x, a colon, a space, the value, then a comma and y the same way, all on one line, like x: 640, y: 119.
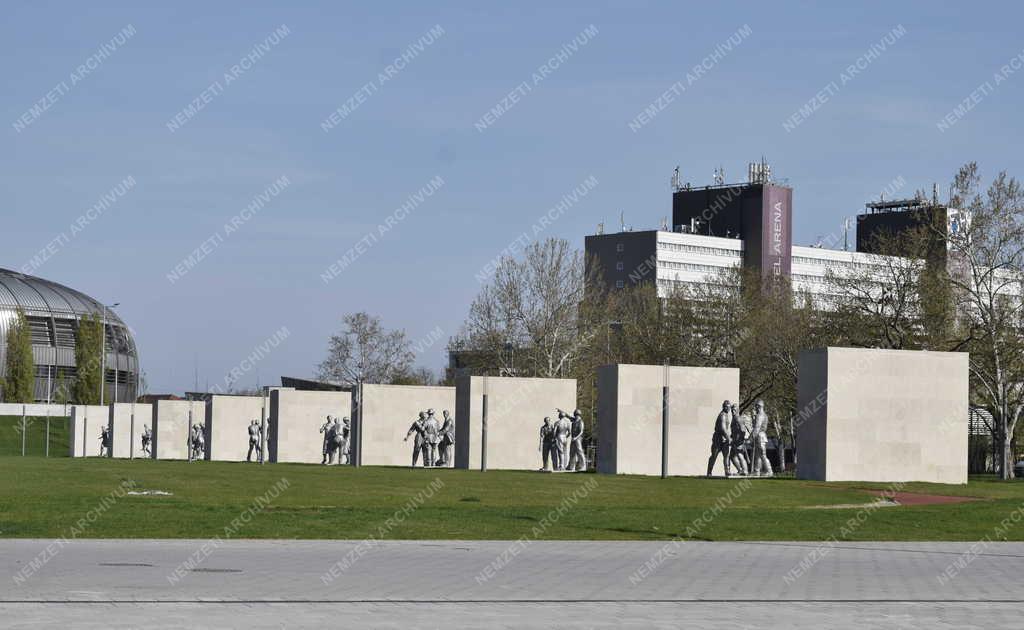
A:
x: 1007, y: 458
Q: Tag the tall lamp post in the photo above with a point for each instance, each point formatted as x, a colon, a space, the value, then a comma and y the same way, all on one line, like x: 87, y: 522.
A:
x: 103, y: 353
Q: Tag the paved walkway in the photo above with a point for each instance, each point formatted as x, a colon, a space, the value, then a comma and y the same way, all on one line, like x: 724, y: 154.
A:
x: 501, y: 584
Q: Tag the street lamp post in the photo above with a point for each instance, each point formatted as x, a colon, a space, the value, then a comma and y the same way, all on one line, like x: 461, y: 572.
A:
x: 103, y: 353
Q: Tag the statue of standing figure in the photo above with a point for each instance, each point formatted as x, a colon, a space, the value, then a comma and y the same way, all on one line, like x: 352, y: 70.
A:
x: 341, y: 440
x: 105, y: 441
x: 577, y: 457
x: 431, y: 437
x: 738, y: 435
x: 563, y: 429
x: 198, y: 442
x: 416, y: 430
x: 147, y: 438
x: 254, y: 440
x: 547, y: 444
x: 720, y: 439
x: 447, y: 443
x: 325, y: 428
x: 760, y: 466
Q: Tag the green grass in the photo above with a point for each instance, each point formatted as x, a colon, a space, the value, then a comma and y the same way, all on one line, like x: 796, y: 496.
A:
x: 35, y: 436
x: 45, y: 497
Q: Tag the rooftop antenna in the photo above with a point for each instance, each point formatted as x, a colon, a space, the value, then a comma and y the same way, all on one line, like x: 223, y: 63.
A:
x: 664, y: 224
x: 935, y: 194
x: 846, y: 234
x: 719, y: 176
x: 676, y: 185
x: 622, y: 221
x: 600, y: 228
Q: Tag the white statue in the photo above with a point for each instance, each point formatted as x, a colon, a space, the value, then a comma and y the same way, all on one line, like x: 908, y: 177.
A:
x: 147, y: 438
x: 325, y: 428
x: 547, y: 444
x: 760, y: 466
x: 105, y: 441
x: 254, y: 440
x: 198, y: 442
x: 577, y: 457
x: 720, y: 438
x: 563, y: 429
x: 417, y: 444
x: 739, y: 437
x: 447, y: 443
x: 431, y: 437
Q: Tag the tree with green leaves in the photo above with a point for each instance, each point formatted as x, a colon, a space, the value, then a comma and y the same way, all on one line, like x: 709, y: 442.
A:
x: 88, y: 346
x: 19, y: 384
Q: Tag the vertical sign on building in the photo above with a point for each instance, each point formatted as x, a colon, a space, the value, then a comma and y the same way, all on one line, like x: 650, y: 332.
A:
x: 776, y: 234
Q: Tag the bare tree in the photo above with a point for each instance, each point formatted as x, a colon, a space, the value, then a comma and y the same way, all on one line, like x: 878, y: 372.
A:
x: 526, y: 321
x: 364, y: 352
x: 987, y: 259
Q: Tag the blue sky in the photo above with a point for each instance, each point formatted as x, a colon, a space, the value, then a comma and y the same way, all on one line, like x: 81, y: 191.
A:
x: 111, y: 123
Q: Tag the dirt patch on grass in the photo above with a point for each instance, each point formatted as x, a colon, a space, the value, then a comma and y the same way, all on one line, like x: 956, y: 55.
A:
x: 916, y: 498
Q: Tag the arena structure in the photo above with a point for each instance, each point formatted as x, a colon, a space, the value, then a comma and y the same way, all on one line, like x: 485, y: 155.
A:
x: 54, y: 311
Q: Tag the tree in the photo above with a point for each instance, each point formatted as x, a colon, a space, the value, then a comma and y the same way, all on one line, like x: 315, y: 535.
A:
x: 88, y: 346
x: 986, y: 264
x: 364, y: 352
x: 417, y: 376
x: 20, y: 381
x: 526, y: 321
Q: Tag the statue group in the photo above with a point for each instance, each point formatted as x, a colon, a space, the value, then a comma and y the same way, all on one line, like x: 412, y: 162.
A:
x: 336, y: 440
x: 733, y: 441
x: 197, y: 442
x: 561, y: 443
x: 433, y: 440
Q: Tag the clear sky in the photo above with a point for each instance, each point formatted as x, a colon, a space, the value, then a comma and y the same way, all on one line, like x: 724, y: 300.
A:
x: 98, y: 94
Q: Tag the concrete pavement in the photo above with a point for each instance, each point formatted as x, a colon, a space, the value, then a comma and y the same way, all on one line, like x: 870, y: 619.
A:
x: 451, y: 584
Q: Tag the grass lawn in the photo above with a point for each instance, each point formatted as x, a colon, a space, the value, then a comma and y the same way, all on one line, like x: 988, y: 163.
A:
x: 46, y: 497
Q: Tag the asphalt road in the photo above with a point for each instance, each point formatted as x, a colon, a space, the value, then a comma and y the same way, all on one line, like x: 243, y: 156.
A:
x: 361, y: 584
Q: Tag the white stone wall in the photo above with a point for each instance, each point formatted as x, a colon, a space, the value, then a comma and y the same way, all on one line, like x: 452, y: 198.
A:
x: 87, y: 422
x: 296, y: 418
x: 515, y: 411
x: 227, y: 422
x: 389, y: 411
x: 126, y: 442
x: 882, y: 415
x: 171, y: 426
x: 36, y: 409
x: 630, y: 417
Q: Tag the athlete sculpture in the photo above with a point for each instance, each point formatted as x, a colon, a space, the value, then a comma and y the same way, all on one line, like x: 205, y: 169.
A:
x: 577, y: 458
x: 431, y: 437
x: 563, y: 429
x: 198, y: 442
x: 417, y: 444
x: 760, y: 466
x: 254, y: 441
x: 720, y: 439
x: 105, y: 442
x: 147, y: 437
x: 447, y: 444
x: 547, y: 444
x: 739, y: 438
x: 325, y: 429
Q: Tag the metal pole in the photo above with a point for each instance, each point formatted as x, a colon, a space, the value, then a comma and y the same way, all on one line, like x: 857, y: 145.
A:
x: 47, y: 433
x: 23, y: 428
x: 483, y: 436
x: 188, y: 434
x: 664, y: 426
x: 85, y: 430
x: 263, y: 428
x: 103, y: 353
x: 131, y: 435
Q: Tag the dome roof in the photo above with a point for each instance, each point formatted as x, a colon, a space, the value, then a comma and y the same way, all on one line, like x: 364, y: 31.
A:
x: 33, y: 294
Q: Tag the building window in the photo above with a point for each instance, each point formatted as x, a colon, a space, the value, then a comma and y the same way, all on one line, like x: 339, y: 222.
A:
x: 619, y: 266
x: 619, y: 247
x: 619, y: 284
